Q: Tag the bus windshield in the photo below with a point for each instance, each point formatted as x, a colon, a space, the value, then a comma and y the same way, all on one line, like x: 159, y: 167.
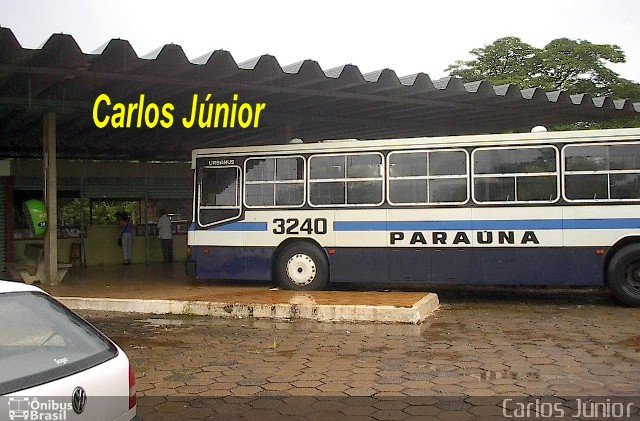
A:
x: 219, y: 195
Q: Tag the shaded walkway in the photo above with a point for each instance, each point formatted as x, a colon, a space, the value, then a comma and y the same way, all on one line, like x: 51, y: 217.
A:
x: 166, y: 282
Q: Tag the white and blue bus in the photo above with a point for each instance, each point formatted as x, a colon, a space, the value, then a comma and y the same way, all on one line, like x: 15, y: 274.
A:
x: 551, y: 208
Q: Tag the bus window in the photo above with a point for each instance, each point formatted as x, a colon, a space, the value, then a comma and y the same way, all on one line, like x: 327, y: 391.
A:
x: 585, y: 158
x: 219, y: 187
x: 364, y: 166
x: 274, y: 182
x: 604, y: 172
x: 428, y: 177
x: 260, y: 169
x: 586, y: 186
x: 330, y: 193
x: 348, y: 179
x: 495, y: 189
x: 448, y: 163
x: 219, y: 192
x: 327, y: 167
x: 289, y: 169
x: 527, y: 174
x: 364, y: 192
x: 624, y: 186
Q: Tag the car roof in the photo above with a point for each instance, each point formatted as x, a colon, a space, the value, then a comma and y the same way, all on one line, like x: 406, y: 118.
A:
x: 7, y: 286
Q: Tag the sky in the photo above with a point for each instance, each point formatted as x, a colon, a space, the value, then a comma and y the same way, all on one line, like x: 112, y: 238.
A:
x: 406, y: 36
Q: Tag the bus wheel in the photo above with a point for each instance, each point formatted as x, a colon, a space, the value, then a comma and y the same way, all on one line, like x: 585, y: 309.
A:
x: 302, y: 266
x: 623, y: 275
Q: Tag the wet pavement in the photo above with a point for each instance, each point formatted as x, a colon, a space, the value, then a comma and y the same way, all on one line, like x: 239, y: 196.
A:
x: 480, y: 348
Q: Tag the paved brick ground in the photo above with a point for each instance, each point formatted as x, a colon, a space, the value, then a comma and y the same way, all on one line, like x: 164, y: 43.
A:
x: 476, y: 351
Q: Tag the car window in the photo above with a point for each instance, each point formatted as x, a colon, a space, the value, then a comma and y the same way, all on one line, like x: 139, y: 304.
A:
x: 41, y: 341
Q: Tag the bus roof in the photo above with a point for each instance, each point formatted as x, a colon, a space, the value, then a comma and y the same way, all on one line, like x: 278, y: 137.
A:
x: 347, y: 145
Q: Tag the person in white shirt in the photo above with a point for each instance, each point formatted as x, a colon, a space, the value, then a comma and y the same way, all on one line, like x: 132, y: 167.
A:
x: 165, y: 236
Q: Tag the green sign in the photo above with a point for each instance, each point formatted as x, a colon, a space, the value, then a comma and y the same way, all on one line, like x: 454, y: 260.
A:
x: 36, y: 213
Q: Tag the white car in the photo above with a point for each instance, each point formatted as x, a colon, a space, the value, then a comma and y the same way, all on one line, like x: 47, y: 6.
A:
x: 54, y: 365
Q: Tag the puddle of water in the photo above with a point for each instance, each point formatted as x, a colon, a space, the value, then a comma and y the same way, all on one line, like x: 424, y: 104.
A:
x: 164, y: 322
x: 132, y: 342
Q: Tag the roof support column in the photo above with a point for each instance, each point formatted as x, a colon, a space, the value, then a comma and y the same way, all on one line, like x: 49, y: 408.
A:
x: 51, y: 200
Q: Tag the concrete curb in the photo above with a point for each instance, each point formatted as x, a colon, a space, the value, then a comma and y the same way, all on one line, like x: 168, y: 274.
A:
x: 419, y: 311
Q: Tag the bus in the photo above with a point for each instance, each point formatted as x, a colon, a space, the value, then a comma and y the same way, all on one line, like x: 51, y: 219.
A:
x: 550, y: 208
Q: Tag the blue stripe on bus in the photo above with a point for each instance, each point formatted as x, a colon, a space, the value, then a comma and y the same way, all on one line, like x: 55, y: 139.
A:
x: 524, y: 224
x: 602, y: 224
x: 242, y: 226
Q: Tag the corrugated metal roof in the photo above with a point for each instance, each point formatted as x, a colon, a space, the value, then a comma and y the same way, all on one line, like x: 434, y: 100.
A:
x: 303, y: 100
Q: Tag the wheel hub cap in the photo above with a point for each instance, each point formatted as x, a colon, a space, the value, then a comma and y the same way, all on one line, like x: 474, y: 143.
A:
x: 633, y: 276
x: 301, y: 269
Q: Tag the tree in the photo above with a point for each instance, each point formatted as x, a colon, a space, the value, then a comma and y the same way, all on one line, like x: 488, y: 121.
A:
x: 575, y: 66
x: 506, y: 60
x: 627, y: 89
x: 579, y: 66
x: 622, y: 89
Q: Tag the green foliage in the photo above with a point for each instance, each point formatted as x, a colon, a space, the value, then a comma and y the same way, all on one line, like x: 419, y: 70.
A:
x: 70, y: 211
x: 574, y: 66
x: 578, y: 66
x: 626, y: 89
x: 619, y: 123
x: 507, y: 60
x: 102, y: 212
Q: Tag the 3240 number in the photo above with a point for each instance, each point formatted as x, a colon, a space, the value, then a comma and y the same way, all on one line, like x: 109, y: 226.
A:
x: 294, y: 226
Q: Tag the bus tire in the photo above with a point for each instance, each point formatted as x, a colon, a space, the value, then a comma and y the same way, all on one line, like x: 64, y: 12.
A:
x: 623, y: 275
x: 302, y: 266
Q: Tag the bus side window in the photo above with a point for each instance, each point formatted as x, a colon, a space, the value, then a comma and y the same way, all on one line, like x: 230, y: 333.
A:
x: 602, y: 172
x: 346, y: 179
x: 274, y: 182
x: 428, y: 177
x: 526, y: 174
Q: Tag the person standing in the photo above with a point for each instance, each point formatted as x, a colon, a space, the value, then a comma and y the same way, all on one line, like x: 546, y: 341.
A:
x: 128, y: 231
x: 165, y: 234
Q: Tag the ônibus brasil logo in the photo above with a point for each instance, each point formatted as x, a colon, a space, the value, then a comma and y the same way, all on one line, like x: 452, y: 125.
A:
x: 32, y: 409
